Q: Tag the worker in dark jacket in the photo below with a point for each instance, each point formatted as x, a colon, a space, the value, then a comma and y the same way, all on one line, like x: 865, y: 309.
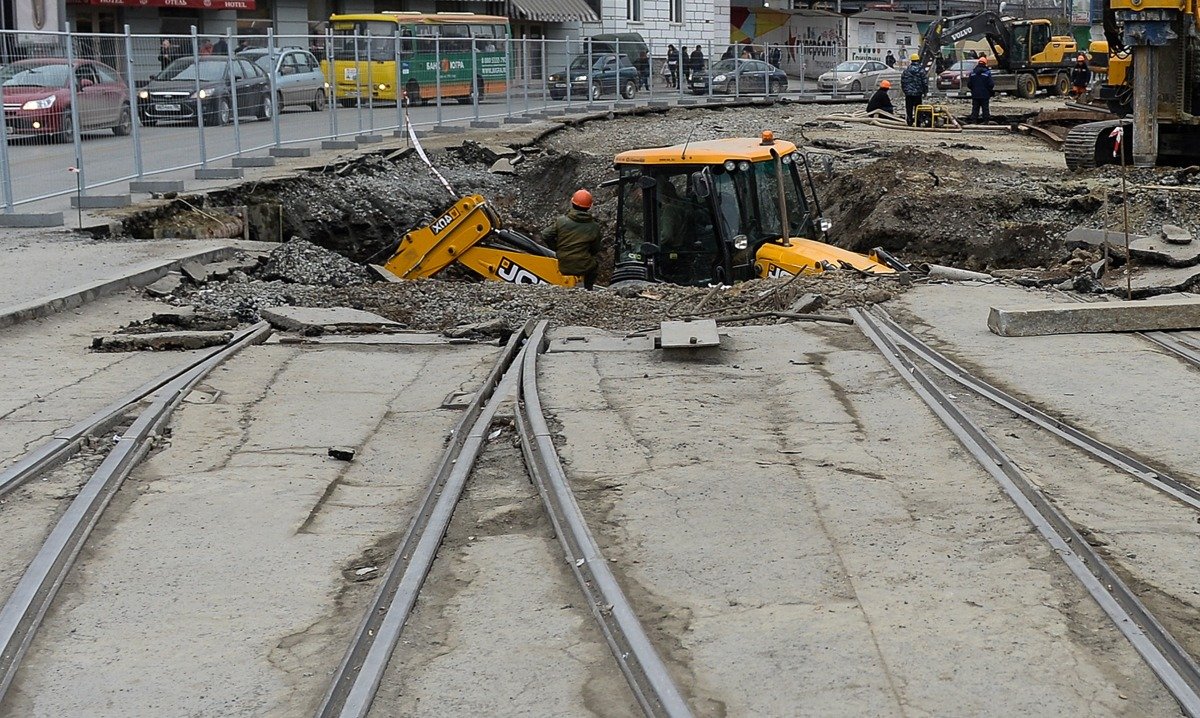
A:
x: 1080, y: 76
x: 982, y: 88
x: 880, y: 100
x: 575, y: 239
x: 914, y: 82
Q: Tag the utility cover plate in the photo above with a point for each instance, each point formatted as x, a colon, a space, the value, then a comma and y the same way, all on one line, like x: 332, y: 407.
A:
x: 690, y: 335
x: 635, y: 343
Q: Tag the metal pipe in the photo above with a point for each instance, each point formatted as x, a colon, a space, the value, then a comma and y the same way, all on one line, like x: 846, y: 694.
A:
x: 273, y: 84
x: 199, y: 100
x: 233, y: 94
x: 73, y: 85
x: 134, y: 115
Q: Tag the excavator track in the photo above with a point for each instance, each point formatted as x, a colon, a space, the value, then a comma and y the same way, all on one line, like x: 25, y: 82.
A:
x: 1082, y: 148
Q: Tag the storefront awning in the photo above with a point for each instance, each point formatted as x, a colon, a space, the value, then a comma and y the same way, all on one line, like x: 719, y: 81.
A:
x: 553, y: 11
x: 197, y: 4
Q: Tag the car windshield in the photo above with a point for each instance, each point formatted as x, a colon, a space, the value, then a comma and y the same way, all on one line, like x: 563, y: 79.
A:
x: 849, y: 66
x: 39, y: 76
x: 185, y: 69
x: 963, y: 65
x: 725, y: 66
x: 262, y: 59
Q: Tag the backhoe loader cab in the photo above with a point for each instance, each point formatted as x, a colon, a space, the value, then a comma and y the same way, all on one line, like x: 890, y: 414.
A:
x: 715, y: 212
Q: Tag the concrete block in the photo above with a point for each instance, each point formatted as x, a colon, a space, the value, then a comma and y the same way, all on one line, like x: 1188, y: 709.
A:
x: 687, y: 101
x: 485, y: 124
x: 368, y: 139
x: 156, y: 186
x: 253, y: 162
x: 290, y: 151
x: 332, y: 319
x: 693, y: 334
x: 518, y: 120
x: 338, y: 144
x: 659, y: 103
x: 100, y: 201
x: 219, y: 173
x: 27, y: 220
x: 448, y: 129
x: 403, y: 133
x: 1139, y: 316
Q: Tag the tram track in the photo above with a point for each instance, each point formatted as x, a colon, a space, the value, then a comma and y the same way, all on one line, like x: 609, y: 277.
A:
x: 22, y: 613
x: 1159, y: 649
x: 358, y: 678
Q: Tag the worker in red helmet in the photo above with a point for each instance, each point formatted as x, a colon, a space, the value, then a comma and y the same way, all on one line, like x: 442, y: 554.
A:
x: 1081, y: 75
x: 881, y: 100
x: 575, y: 239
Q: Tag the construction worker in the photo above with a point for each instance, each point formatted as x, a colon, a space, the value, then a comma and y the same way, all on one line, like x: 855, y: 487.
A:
x: 881, y: 100
x: 982, y: 88
x: 914, y: 82
x: 575, y: 239
x: 1080, y: 76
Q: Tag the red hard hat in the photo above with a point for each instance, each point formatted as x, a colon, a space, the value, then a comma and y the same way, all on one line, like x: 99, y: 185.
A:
x: 582, y: 199
x: 983, y: 61
x: 886, y: 84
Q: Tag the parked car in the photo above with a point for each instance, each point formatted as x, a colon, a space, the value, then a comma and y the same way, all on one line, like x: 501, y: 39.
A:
x: 629, y: 44
x: 37, y: 98
x: 606, y: 78
x: 298, y: 76
x: 953, y: 77
x: 857, y: 76
x: 739, y: 77
x: 171, y: 95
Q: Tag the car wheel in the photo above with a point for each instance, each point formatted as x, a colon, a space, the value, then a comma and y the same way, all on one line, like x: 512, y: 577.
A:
x: 629, y: 89
x: 731, y: 87
x: 596, y: 92
x: 221, y: 116
x: 65, y: 131
x: 125, y: 124
x: 267, y: 108
x: 319, y: 101
x: 856, y: 86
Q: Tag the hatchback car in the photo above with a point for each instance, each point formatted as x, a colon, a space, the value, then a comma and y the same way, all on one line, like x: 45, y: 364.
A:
x: 298, y: 76
x: 856, y: 76
x: 953, y: 77
x: 743, y: 77
x: 172, y: 94
x: 606, y: 78
x: 37, y: 98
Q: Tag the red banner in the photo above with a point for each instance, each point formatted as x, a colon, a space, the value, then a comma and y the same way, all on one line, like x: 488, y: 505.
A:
x: 198, y: 4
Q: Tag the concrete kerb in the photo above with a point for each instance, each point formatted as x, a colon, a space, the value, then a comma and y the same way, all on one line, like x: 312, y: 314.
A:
x: 100, y: 201
x: 31, y: 220
x: 159, y: 186
x: 138, y: 276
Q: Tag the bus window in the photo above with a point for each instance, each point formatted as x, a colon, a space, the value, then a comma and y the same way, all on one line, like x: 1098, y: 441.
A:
x: 381, y: 47
x: 455, y: 38
x: 406, y: 41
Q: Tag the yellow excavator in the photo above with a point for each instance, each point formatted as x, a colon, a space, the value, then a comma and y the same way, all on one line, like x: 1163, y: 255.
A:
x: 1152, y: 81
x: 702, y: 213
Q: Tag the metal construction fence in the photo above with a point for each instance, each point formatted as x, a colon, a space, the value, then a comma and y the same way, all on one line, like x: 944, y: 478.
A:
x: 87, y: 113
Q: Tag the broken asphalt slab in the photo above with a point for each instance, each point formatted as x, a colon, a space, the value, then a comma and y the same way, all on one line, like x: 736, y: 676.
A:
x: 331, y: 319
x: 1137, y: 316
x: 161, y: 341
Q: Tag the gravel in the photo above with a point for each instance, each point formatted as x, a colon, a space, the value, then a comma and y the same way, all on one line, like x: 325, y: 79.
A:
x: 301, y: 262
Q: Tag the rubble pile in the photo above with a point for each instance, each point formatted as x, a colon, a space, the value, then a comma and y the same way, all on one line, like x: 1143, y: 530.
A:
x: 302, y: 262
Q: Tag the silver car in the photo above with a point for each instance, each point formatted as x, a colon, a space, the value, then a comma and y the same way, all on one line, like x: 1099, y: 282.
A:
x: 298, y: 77
x: 857, y: 76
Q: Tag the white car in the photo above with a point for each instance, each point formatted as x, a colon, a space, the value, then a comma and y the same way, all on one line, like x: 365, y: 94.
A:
x: 857, y: 76
x: 298, y: 77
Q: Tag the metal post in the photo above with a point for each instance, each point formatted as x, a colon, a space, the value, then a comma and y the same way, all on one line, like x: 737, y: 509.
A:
x: 400, y: 91
x: 545, y: 75
x: 711, y: 62
x: 233, y: 94
x: 73, y: 83
x: 737, y: 75
x: 620, y: 82
x: 332, y: 79
x: 475, y: 83
x: 199, y: 101
x: 1145, y: 113
x: 679, y: 68
x: 5, y: 167
x: 370, y: 83
x: 568, y: 76
x: 508, y: 75
x: 358, y: 81
x: 437, y: 75
x: 591, y: 95
x: 650, y: 69
x: 271, y: 79
x: 135, y: 117
x: 526, y: 70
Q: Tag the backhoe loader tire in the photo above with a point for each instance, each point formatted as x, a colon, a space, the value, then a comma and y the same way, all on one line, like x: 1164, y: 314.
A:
x: 1062, y: 84
x: 1026, y: 86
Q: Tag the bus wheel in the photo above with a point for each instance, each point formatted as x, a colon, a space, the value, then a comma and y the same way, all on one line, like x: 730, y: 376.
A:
x: 348, y: 103
x: 413, y: 91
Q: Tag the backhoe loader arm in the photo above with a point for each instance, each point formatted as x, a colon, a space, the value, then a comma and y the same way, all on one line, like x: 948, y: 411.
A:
x: 469, y: 234
x: 947, y: 30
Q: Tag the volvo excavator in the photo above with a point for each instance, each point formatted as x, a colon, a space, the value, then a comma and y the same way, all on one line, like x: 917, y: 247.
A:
x: 1152, y: 83
x: 703, y: 213
x: 1028, y: 55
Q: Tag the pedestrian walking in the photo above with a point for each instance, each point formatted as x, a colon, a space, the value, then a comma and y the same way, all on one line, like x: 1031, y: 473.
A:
x: 982, y: 88
x: 221, y: 47
x: 643, y: 68
x: 167, y: 53
x: 672, y: 66
x: 776, y: 56
x: 881, y: 100
x: 914, y: 83
x: 890, y: 60
x: 575, y: 239
x: 697, y: 61
x: 1081, y: 76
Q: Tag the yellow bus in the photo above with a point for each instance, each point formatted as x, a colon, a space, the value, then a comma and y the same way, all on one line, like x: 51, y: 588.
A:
x: 455, y: 52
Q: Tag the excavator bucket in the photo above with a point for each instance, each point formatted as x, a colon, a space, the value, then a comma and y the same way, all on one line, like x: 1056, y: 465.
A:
x: 809, y: 256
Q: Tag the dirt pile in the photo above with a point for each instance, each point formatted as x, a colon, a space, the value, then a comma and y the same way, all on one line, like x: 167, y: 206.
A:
x: 302, y: 262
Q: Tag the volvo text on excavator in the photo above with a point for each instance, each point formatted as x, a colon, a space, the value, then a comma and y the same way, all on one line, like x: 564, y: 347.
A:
x: 1028, y: 55
x: 1152, y: 82
x: 698, y: 214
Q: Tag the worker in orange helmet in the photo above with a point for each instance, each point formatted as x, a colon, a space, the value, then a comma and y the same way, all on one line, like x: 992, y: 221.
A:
x: 575, y: 239
x: 1081, y: 75
x: 881, y: 100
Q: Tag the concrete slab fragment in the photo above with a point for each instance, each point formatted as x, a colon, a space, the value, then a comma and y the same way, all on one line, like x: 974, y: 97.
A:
x: 1138, y: 316
x: 165, y: 286
x: 1159, y: 250
x: 332, y: 319
x: 690, y: 334
x: 160, y: 341
x: 1154, y: 280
